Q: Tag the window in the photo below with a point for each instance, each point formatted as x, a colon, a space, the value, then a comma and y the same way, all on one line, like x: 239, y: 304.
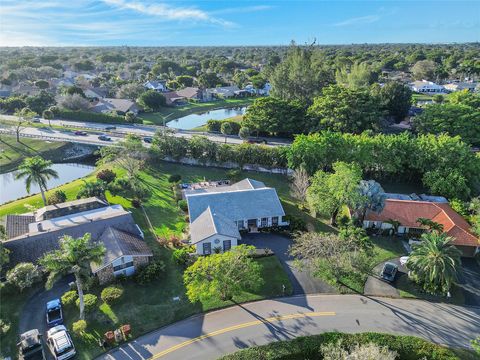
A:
x: 274, y: 220
x: 264, y: 222
x: 227, y: 245
x: 240, y: 224
x: 123, y: 266
x: 207, y: 248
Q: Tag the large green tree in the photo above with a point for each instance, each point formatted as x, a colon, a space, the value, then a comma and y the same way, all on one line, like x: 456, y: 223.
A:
x: 300, y: 76
x: 275, y: 116
x: 396, y: 99
x: 152, y: 100
x: 424, y: 70
x: 357, y: 76
x: 37, y: 171
x: 329, y: 192
x: 345, y: 110
x: 453, y: 119
x: 74, y: 256
x: 223, y: 276
x: 435, y: 263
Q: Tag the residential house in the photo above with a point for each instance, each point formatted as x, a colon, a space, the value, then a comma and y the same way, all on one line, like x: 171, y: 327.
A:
x: 218, y: 213
x: 95, y: 93
x: 157, y: 85
x: 26, y: 89
x: 224, y: 92
x: 172, y: 98
x: 427, y: 87
x: 407, y: 211
x: 459, y: 86
x: 194, y: 94
x: 32, y: 235
x: 121, y: 106
x: 265, y: 91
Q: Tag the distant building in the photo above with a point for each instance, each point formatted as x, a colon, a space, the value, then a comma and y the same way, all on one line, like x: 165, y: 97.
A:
x: 31, y: 236
x: 157, y: 85
x: 427, y: 87
x: 459, y: 86
x: 121, y: 106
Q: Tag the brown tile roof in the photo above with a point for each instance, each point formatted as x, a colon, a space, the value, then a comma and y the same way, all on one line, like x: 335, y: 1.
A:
x: 408, y: 211
x: 17, y: 225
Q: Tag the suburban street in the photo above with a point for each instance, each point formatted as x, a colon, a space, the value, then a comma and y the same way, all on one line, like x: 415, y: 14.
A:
x: 211, y: 335
x: 117, y: 134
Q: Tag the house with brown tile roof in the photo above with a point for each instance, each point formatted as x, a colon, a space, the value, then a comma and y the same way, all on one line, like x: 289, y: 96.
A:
x: 407, y: 213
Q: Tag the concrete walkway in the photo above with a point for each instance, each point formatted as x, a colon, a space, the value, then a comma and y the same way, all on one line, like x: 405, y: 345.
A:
x: 211, y: 335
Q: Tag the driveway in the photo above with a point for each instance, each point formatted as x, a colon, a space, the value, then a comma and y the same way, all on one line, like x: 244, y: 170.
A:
x: 302, y: 281
x: 214, y: 334
x: 374, y: 286
x: 469, y: 280
x: 33, y: 313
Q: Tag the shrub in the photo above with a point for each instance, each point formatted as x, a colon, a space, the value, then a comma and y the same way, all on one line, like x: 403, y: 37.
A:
x: 136, y: 203
x: 57, y: 197
x: 79, y: 327
x: 183, y: 205
x: 296, y: 223
x: 90, y: 301
x: 4, y: 326
x: 91, y: 117
x: 150, y: 272
x: 106, y: 175
x: 69, y: 297
x: 182, y: 256
x: 234, y: 174
x: 23, y: 275
x: 174, y: 178
x: 111, y: 294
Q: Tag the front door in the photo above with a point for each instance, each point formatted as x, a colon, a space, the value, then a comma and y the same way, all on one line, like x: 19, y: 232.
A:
x: 252, y: 223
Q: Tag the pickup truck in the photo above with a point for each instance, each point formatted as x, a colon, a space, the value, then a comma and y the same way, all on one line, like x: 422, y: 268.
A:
x: 60, y: 343
x: 54, y: 313
x: 30, y: 346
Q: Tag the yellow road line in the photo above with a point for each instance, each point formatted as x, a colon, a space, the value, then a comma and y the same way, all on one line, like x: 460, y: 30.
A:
x: 240, y: 326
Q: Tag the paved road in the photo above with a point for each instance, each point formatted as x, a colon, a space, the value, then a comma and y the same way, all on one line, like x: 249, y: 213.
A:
x: 302, y: 281
x: 211, y: 335
x: 121, y: 131
x: 470, y: 281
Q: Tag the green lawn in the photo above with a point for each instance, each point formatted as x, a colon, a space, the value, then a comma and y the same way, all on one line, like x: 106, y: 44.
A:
x: 421, y: 97
x: 151, y: 306
x: 191, y: 108
x: 203, y: 128
x: 13, y: 152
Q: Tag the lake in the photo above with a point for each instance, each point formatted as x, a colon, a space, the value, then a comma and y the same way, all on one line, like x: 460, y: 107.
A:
x: 12, y: 189
x: 194, y: 120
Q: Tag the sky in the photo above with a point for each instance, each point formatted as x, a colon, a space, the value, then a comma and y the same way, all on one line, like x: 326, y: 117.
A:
x: 235, y: 22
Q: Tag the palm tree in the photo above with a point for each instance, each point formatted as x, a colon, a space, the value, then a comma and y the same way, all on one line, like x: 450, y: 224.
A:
x: 74, y: 256
x: 36, y: 170
x: 435, y: 262
x: 395, y: 225
x: 430, y: 224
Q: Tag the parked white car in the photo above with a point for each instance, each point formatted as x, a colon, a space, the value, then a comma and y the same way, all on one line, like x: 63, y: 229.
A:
x: 60, y: 343
x: 403, y: 260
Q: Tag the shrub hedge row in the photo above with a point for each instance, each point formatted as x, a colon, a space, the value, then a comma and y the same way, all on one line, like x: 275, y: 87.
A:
x: 90, y: 116
x: 308, y: 347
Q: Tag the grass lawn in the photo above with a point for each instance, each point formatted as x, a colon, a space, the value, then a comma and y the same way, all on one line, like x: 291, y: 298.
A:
x: 154, y: 306
x: 421, y: 97
x: 203, y: 128
x: 191, y: 108
x: 13, y: 152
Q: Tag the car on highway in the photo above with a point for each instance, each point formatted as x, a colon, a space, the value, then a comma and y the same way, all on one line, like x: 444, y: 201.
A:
x: 256, y: 141
x: 30, y: 346
x: 104, y: 137
x: 60, y: 343
x: 36, y: 119
x: 80, y: 133
x: 389, y: 271
x: 109, y: 128
x: 148, y: 139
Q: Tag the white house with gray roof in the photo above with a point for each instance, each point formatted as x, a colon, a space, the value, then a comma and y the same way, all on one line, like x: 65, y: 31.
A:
x: 217, y: 214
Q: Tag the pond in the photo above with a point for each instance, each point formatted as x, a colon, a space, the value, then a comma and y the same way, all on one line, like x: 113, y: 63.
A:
x: 12, y: 189
x: 194, y: 120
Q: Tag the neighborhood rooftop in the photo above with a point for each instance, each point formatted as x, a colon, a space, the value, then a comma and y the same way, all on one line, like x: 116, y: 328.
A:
x: 210, y: 223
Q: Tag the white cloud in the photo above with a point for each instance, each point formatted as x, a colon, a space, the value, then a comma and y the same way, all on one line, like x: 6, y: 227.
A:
x: 368, y: 19
x: 168, y: 12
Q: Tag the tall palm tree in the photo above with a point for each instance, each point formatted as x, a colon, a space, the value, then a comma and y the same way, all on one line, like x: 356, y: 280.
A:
x: 74, y: 256
x: 435, y: 262
x: 430, y: 224
x: 36, y: 170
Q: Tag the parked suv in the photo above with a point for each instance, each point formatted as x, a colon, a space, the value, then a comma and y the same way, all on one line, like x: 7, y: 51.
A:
x: 60, y: 343
x: 30, y: 346
x: 389, y: 271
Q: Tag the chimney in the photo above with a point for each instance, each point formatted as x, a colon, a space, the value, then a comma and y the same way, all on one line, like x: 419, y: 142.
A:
x: 39, y: 226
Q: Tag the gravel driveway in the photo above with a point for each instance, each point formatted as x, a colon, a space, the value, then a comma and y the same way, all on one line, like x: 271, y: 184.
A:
x: 302, y: 281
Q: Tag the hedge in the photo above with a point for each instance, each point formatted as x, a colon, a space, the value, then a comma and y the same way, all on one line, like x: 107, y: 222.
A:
x: 308, y: 347
x: 215, y: 126
x: 90, y: 117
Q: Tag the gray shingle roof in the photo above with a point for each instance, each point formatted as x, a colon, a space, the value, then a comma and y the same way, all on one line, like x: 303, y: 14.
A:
x: 210, y: 223
x: 120, y: 243
x: 17, y: 225
x: 246, y: 199
x: 69, y: 207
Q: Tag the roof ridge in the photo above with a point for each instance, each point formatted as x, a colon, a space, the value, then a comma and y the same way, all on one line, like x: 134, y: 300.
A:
x: 209, y: 209
x: 230, y: 191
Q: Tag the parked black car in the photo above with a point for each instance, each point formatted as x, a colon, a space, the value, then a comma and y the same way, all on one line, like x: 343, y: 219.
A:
x: 389, y: 271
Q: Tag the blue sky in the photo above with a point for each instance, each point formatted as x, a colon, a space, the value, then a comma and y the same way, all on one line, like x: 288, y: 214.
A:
x: 222, y: 22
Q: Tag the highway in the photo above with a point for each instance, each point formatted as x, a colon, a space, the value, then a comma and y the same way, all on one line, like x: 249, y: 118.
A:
x: 120, y: 131
x: 211, y: 335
